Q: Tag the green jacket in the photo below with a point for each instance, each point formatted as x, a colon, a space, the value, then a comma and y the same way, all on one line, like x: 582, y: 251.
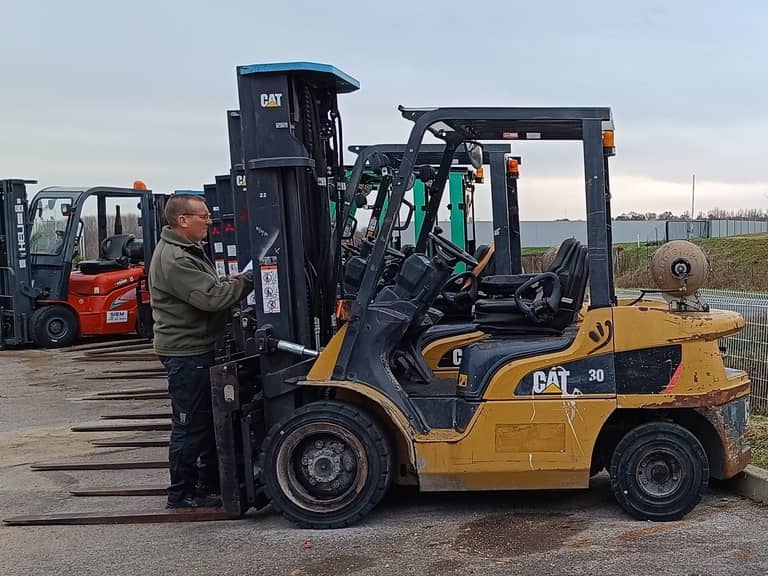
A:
x: 189, y: 300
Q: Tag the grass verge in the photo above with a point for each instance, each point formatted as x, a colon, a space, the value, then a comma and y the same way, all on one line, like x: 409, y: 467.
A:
x: 758, y: 440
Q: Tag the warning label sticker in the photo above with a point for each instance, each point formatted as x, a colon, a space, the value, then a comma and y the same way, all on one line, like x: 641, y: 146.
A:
x: 220, y: 268
x: 270, y: 290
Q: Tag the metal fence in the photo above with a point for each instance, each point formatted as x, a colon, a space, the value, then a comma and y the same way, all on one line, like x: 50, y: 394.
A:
x: 748, y: 349
x: 686, y: 229
x: 690, y: 229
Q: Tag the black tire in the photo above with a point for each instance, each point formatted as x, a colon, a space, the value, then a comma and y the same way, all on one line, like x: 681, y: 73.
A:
x: 659, y: 471
x: 340, y: 442
x: 54, y: 326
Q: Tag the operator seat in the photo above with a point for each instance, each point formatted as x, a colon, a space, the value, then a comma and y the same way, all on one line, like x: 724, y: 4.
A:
x: 116, y: 252
x: 505, y: 285
x: 545, y: 303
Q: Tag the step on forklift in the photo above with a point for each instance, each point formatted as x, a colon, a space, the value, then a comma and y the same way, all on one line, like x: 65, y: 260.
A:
x: 50, y: 294
x: 311, y: 417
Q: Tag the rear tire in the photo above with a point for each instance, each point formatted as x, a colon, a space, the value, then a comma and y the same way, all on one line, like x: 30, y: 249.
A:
x: 659, y: 471
x: 327, y: 465
x: 54, y: 326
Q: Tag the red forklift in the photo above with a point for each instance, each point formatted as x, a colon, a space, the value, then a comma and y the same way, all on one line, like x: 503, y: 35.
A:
x: 50, y: 295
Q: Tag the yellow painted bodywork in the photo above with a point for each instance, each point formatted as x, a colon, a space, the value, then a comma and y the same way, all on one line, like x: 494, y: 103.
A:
x: 434, y: 351
x: 547, y: 441
x: 492, y: 453
x: 322, y: 369
x: 703, y: 371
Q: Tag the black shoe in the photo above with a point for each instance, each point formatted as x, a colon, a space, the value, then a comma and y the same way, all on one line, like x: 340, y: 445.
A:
x: 202, y: 490
x: 195, y: 502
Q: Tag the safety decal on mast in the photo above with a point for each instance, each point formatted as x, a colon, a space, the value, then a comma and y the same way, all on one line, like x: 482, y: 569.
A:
x: 270, y: 289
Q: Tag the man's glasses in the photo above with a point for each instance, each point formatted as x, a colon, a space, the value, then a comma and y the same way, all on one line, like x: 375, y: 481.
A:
x: 206, y: 216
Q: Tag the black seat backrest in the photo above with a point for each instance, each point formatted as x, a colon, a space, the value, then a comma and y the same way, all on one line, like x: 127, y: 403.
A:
x: 116, y: 247
x: 115, y: 253
x: 484, y: 254
x: 505, y: 285
x: 573, y: 283
x: 564, y: 252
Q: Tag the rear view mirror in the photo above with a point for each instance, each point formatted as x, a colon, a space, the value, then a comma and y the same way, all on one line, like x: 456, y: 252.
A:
x: 65, y: 209
x: 475, y: 153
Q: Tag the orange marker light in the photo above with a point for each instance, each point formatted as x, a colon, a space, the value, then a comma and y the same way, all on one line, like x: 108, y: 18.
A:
x: 139, y: 185
x: 513, y: 166
x: 479, y: 175
x: 608, y: 139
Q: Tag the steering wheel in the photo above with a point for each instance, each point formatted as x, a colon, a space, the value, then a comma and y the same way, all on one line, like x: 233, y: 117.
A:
x: 461, y: 287
x: 450, y: 252
x: 533, y: 309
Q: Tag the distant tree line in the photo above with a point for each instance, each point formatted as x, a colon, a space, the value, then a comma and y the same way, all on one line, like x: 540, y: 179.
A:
x: 714, y: 214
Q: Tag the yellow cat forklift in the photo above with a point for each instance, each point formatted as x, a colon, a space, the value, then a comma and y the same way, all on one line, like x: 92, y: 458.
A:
x: 312, y: 415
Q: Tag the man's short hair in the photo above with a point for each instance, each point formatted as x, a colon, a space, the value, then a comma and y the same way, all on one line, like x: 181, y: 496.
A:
x: 179, y: 204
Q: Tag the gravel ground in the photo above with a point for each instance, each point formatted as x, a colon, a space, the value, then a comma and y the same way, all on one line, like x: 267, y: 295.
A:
x: 568, y: 532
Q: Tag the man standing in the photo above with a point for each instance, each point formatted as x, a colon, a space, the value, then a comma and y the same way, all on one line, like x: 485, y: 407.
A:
x: 189, y: 308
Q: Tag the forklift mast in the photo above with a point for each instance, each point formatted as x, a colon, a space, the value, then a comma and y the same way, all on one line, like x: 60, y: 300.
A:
x: 292, y: 155
x: 237, y: 178
x: 17, y: 297
x: 286, y: 169
x: 222, y: 249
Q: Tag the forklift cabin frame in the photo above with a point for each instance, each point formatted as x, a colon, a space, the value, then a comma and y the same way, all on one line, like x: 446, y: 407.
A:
x: 503, y: 195
x: 459, y: 125
x: 50, y: 272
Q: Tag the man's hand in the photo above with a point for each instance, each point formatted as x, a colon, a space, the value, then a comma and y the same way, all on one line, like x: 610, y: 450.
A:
x: 248, y: 275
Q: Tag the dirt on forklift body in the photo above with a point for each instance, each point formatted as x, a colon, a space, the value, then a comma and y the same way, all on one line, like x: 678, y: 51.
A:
x: 313, y: 417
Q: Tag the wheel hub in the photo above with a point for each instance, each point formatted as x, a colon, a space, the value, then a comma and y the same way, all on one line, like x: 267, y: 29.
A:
x: 327, y: 467
x: 659, y: 474
x: 323, y: 462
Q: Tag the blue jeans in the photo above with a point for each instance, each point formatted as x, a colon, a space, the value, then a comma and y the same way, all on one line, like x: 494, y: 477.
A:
x: 192, y: 449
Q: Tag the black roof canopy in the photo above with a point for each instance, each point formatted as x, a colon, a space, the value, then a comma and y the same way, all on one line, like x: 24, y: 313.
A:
x: 428, y: 153
x: 508, y: 123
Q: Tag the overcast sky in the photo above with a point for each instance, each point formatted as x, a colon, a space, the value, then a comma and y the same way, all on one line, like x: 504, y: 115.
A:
x: 104, y: 93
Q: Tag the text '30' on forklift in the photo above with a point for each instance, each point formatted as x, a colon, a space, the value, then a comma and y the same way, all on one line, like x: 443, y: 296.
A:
x: 322, y: 426
x: 50, y: 295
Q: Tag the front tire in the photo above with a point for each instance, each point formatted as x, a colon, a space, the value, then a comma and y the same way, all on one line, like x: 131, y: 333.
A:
x: 327, y: 465
x: 54, y: 326
x: 659, y: 471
